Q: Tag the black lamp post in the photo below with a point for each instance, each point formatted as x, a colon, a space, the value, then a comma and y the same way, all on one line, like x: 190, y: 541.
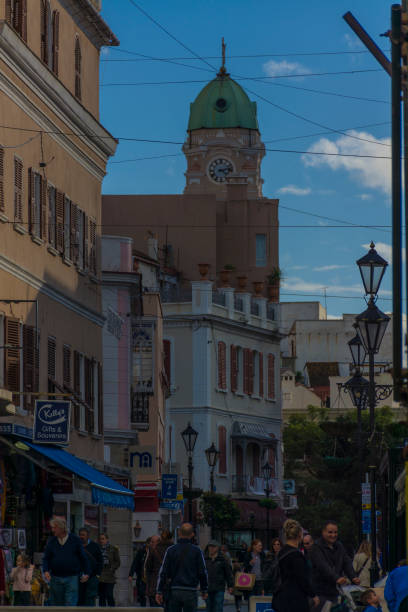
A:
x: 267, y: 473
x: 190, y: 436
x: 371, y: 325
x: 212, y: 455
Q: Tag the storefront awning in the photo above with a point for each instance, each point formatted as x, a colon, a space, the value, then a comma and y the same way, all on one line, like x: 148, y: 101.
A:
x: 105, y: 491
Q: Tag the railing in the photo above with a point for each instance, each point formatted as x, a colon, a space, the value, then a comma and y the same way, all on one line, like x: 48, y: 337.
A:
x: 175, y: 294
x: 139, y: 411
x: 242, y: 483
x: 218, y: 297
x: 238, y: 303
x: 255, y: 309
x: 270, y: 312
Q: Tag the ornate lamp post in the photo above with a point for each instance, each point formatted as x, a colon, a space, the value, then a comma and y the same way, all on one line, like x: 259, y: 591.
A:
x: 212, y: 455
x: 267, y: 473
x: 190, y: 436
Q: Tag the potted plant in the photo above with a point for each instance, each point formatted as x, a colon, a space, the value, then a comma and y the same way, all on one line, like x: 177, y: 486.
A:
x: 225, y: 275
x: 258, y: 288
x: 242, y: 283
x: 274, y: 280
x: 203, y: 269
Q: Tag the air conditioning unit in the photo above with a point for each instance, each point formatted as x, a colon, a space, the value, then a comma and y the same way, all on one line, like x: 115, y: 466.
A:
x: 290, y: 502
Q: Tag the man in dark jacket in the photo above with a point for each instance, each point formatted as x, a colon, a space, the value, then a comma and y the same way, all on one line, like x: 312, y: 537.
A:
x: 89, y: 590
x: 64, y: 561
x: 137, y: 569
x: 219, y: 574
x: 331, y: 566
x: 183, y: 568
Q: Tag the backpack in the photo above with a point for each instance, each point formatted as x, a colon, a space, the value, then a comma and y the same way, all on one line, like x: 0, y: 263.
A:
x: 275, y: 573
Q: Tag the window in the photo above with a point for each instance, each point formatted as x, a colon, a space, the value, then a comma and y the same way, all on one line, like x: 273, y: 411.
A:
x: 18, y: 190
x: 80, y: 238
x: 51, y: 364
x: 78, y: 68
x: 55, y: 42
x: 37, y: 204
x: 16, y: 16
x: 30, y: 365
x: 222, y: 447
x: 167, y: 361
x: 66, y: 367
x: 257, y: 360
x: 89, y: 394
x: 260, y: 257
x: 271, y: 376
x: 234, y: 368
x: 73, y: 226
x: 248, y: 372
x: 2, y: 202
x: 77, y: 389
x: 45, y: 31
x: 222, y: 365
x: 12, y: 355
x: 261, y: 384
x: 142, y: 346
x: 59, y: 221
x: 52, y: 234
x: 67, y: 228
x: 100, y: 399
x: 92, y: 246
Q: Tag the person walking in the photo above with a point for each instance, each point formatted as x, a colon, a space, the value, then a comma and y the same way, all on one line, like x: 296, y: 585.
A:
x: 268, y: 572
x: 307, y: 542
x: 396, y: 589
x: 219, y: 573
x: 253, y: 564
x: 362, y: 563
x: 236, y: 568
x: 154, y: 559
x: 21, y: 577
x: 111, y: 562
x: 331, y: 566
x: 183, y: 568
x: 88, y: 591
x: 276, y: 547
x: 295, y: 588
x: 65, y: 563
x: 137, y: 569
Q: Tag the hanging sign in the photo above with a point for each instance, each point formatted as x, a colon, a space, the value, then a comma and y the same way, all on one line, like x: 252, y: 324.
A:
x: 51, y: 421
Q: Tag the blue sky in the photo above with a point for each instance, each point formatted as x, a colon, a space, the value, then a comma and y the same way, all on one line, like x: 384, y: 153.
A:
x: 294, y: 38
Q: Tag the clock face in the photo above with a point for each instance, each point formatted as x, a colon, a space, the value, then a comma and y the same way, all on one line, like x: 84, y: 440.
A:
x: 219, y: 169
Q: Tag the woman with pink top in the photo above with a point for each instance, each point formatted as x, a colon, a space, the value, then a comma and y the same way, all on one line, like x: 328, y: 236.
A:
x: 21, y: 577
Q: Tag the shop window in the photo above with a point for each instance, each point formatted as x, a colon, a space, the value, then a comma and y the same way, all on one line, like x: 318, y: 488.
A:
x: 260, y: 248
x: 16, y: 16
x: 222, y: 365
x: 222, y: 447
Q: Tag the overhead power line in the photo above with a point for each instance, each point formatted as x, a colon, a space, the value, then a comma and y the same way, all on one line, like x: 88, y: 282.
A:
x: 249, y: 56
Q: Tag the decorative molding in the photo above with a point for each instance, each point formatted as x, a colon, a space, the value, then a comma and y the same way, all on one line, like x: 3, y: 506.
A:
x: 33, y: 281
x: 230, y: 414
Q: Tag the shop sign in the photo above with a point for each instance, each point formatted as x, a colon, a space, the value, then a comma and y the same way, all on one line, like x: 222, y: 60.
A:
x: 169, y: 486
x: 17, y: 430
x: 289, y: 487
x: 142, y: 460
x: 365, y: 493
x: 176, y: 505
x: 51, y: 421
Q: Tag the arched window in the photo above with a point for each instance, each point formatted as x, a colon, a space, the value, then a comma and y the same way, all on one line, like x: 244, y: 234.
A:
x: 222, y: 365
x: 78, y: 68
x: 222, y: 447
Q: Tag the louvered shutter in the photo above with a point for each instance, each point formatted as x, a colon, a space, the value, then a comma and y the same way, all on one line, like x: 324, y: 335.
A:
x: 167, y: 360
x: 78, y: 68
x: 77, y: 388
x: 2, y: 203
x: 31, y: 201
x: 89, y: 395
x: 55, y: 41
x: 92, y: 240
x: 18, y: 190
x: 66, y: 366
x: 30, y: 365
x: 43, y: 208
x: 23, y: 24
x: 12, y: 355
x: 86, y: 244
x: 73, y: 251
x: 222, y: 447
x: 234, y: 368
x: 8, y: 12
x: 59, y: 216
x: 246, y: 372
x: 44, y: 30
x: 222, y: 366
x: 100, y: 399
x: 261, y: 383
x: 51, y: 363
x: 271, y: 376
x: 51, y: 216
x: 250, y: 372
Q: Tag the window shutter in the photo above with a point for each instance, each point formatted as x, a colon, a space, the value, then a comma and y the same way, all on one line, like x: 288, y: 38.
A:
x: 271, y: 376
x: 23, y: 18
x: 234, y: 368
x: 51, y: 216
x: 86, y: 245
x: 261, y: 383
x: 250, y: 372
x: 167, y: 360
x: 272, y: 461
x: 246, y: 372
x: 222, y: 447
x: 51, y: 363
x: 30, y: 365
x: 89, y: 395
x: 92, y: 240
x: 18, y: 190
x: 2, y: 203
x: 78, y: 68
x: 77, y: 388
x: 55, y: 41
x: 44, y: 30
x: 12, y: 355
x: 100, y: 399
x: 66, y: 366
x: 31, y: 204
x: 8, y: 12
x: 73, y: 249
x: 43, y: 206
x: 59, y: 216
x: 222, y: 373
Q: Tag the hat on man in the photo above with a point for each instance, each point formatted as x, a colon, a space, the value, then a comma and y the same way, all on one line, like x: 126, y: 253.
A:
x: 213, y: 543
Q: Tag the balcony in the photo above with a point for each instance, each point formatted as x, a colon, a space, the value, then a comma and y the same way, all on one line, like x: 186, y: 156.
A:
x: 254, y: 485
x: 139, y: 415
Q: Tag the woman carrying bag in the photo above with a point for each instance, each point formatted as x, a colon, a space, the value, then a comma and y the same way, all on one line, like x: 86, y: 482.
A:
x: 254, y: 564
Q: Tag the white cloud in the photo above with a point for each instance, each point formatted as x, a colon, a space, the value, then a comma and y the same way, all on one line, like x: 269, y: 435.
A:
x: 352, y: 42
x: 364, y: 196
x: 293, y: 190
x: 385, y: 250
x: 334, y: 317
x: 273, y: 68
x: 297, y: 268
x: 298, y: 284
x: 327, y: 268
x: 366, y: 168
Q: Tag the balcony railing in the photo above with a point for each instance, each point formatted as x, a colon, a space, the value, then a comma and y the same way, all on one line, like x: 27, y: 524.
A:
x: 270, y: 312
x: 174, y: 293
x: 139, y: 413
x: 242, y: 483
x: 255, y: 309
x: 238, y: 303
x: 218, y: 297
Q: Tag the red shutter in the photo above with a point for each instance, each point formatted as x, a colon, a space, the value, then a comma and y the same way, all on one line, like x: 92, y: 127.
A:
x: 100, y: 399
x: 261, y: 385
x: 18, y: 190
x: 2, y: 203
x: 55, y: 41
x: 167, y: 360
x: 251, y: 355
x: 246, y: 371
x: 234, y: 368
x: 271, y: 376
x: 222, y: 447
x: 222, y: 366
x: 12, y: 355
x: 43, y: 207
x: 31, y: 202
x: 66, y: 366
x: 59, y: 220
x: 77, y: 388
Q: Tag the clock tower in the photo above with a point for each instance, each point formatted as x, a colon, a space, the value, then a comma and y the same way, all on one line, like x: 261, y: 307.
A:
x: 223, y: 139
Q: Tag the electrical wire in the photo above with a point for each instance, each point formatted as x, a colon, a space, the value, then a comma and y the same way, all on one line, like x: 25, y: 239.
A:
x: 256, y: 55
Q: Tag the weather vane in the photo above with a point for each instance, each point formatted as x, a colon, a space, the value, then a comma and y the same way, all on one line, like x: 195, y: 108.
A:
x: 223, y: 70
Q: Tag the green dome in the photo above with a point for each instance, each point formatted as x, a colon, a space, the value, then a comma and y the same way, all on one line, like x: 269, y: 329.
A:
x: 222, y: 104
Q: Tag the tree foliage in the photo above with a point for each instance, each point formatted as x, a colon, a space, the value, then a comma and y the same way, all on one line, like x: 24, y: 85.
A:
x: 219, y: 510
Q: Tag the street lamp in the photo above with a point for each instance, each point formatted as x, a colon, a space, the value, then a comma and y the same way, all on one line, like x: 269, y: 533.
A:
x: 357, y: 350
x: 372, y: 269
x: 267, y: 474
x: 212, y: 455
x: 190, y: 436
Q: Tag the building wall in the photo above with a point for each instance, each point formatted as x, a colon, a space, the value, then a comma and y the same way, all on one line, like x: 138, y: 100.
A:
x: 295, y: 397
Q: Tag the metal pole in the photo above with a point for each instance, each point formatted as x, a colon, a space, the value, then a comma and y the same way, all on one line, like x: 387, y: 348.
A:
x: 360, y: 474
x: 396, y: 195
x: 267, y: 491
x: 212, y: 480
x: 371, y: 391
x: 405, y: 123
x: 190, y: 488
x: 373, y: 568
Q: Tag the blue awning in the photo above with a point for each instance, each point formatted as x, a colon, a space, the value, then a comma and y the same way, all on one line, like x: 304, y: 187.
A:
x: 105, y: 490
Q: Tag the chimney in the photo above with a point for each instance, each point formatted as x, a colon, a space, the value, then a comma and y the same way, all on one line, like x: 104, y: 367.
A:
x: 237, y: 187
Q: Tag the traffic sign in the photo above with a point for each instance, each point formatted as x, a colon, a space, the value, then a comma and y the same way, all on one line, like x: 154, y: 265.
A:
x: 168, y: 504
x: 169, y: 486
